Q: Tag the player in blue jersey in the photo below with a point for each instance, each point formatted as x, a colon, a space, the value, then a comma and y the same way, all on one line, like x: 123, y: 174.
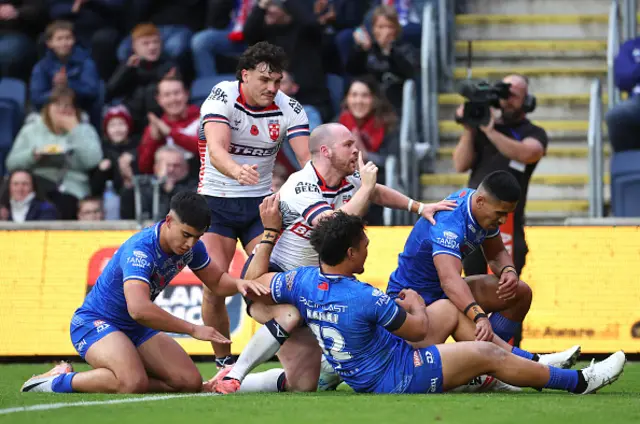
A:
x: 364, y: 333
x: 117, y: 330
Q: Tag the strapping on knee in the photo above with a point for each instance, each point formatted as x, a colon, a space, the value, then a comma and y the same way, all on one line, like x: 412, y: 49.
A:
x: 276, y: 330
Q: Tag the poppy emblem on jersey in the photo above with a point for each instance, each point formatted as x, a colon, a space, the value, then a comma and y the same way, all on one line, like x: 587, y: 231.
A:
x: 254, y: 130
x: 323, y: 286
x: 463, y: 193
x: 274, y: 129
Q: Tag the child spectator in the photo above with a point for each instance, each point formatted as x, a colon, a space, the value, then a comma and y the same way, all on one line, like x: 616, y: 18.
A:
x: 90, y: 209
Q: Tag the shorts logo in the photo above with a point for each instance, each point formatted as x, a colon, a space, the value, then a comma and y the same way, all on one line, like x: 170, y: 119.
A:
x: 274, y: 129
x: 80, y: 345
x: 434, y: 385
x: 428, y: 357
x: 254, y: 130
x: 100, y: 325
x: 417, y: 360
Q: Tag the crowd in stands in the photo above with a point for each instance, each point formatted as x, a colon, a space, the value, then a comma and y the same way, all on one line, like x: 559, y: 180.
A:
x: 109, y: 89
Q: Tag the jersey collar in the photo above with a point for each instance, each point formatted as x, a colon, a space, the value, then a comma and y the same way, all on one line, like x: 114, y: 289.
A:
x: 160, y: 254
x: 323, y: 184
x: 334, y: 277
x: 242, y: 100
x: 469, y: 214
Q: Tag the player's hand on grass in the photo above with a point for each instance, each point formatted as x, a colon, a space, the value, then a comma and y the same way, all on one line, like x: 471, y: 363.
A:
x: 484, y: 332
x: 247, y: 175
x: 508, y: 285
x: 368, y: 173
x: 410, y: 300
x: 246, y: 286
x: 430, y: 209
x: 270, y: 214
x: 208, y: 334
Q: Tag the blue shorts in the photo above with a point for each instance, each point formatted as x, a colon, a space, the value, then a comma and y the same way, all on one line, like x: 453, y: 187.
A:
x: 236, y: 217
x: 87, y: 327
x: 427, y: 371
x: 429, y: 295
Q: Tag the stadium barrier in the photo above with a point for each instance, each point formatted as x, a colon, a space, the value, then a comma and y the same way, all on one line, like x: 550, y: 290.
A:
x: 584, y: 282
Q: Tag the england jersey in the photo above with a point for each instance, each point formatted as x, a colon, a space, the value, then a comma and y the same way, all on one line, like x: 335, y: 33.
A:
x: 256, y: 137
x: 352, y: 322
x: 303, y: 197
x: 455, y: 233
x: 139, y: 258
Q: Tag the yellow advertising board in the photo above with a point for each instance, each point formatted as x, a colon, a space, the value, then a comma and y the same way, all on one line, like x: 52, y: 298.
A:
x: 585, y: 286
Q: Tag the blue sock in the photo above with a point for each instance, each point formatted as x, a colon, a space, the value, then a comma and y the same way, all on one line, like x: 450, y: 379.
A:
x: 562, y: 379
x: 503, y: 327
x: 522, y: 353
x: 62, y: 383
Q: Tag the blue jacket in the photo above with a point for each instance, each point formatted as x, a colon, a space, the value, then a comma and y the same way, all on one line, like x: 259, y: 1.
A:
x: 39, y: 210
x: 626, y: 66
x: 82, y: 77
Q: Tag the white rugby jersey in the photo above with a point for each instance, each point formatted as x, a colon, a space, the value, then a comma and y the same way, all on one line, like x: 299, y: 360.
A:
x: 303, y: 197
x: 256, y: 136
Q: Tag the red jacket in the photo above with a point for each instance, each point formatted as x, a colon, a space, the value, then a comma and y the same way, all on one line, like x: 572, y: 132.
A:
x: 184, y: 133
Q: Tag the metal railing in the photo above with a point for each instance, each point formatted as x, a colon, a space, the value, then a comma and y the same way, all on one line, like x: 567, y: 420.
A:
x: 613, y: 44
x: 409, y: 161
x: 446, y: 29
x: 429, y: 80
x: 391, y: 216
x: 630, y: 19
x: 596, y: 161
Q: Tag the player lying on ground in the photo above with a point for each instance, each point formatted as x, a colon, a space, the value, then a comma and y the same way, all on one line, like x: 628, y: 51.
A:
x: 363, y: 332
x: 443, y: 320
x: 117, y: 329
x: 243, y: 124
x: 336, y: 178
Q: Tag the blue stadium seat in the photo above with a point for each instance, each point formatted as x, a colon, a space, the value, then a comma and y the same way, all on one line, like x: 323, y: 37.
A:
x: 335, y: 84
x: 13, y: 94
x: 201, y: 87
x: 625, y: 184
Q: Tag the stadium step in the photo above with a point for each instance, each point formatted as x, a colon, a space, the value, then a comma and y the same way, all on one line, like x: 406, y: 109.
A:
x: 460, y: 180
x: 574, y: 152
x: 543, y: 207
x: 557, y: 130
x: 533, y: 72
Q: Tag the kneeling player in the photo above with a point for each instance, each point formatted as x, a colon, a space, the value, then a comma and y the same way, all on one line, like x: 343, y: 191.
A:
x: 117, y: 329
x: 363, y: 333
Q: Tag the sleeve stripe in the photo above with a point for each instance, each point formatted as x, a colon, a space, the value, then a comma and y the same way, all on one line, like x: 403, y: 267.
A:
x: 317, y: 213
x: 440, y: 252
x: 298, y: 134
x: 298, y: 128
x: 216, y: 121
x: 312, y: 208
x: 203, y: 265
x: 137, y: 277
x: 215, y: 115
x: 392, y: 318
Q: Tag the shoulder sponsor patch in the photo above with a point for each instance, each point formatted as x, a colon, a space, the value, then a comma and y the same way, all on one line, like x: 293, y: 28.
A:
x: 450, y: 235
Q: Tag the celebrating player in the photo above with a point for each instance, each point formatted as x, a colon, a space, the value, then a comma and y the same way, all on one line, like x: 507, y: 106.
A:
x: 117, y: 329
x: 327, y: 183
x: 243, y: 124
x: 363, y: 333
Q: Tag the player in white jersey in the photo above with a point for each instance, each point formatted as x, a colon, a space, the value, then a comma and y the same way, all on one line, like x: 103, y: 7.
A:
x: 327, y: 183
x: 243, y: 124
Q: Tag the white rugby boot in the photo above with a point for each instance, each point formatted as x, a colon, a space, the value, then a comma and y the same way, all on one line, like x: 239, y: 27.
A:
x: 604, y: 373
x: 42, y: 382
x: 564, y: 360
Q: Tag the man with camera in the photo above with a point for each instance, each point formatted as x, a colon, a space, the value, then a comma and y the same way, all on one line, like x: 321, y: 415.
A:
x: 498, y: 136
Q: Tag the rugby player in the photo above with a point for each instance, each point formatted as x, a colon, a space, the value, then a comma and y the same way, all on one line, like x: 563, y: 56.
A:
x: 117, y: 330
x: 243, y: 124
x: 363, y: 333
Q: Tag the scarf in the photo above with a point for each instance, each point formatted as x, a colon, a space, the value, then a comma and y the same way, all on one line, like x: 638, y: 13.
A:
x: 371, y: 133
x: 19, y: 209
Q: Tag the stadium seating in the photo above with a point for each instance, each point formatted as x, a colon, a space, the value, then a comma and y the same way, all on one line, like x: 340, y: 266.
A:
x: 201, y: 87
x: 625, y: 184
x: 12, y: 103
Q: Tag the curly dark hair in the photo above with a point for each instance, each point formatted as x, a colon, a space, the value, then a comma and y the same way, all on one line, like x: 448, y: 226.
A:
x: 262, y: 52
x: 334, y: 235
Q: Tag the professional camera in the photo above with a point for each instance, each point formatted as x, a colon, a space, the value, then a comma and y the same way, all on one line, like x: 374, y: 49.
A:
x: 482, y: 96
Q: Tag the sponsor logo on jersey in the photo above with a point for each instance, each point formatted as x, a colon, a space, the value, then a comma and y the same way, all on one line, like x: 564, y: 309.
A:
x: 472, y: 228
x: 139, y: 254
x: 428, y: 357
x: 377, y: 292
x: 277, y: 287
x: 417, y: 359
x: 239, y: 149
x: 289, y: 279
x: 301, y: 230
x: 100, y: 325
x: 274, y: 129
x: 219, y: 95
x: 254, y: 130
x: 304, y: 187
x: 450, y: 235
x: 448, y: 243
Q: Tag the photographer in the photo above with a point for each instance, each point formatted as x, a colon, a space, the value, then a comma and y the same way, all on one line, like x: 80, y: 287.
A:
x: 507, y: 141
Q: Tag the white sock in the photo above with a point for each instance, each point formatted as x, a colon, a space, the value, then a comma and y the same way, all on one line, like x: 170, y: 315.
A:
x: 262, y: 347
x: 262, y: 381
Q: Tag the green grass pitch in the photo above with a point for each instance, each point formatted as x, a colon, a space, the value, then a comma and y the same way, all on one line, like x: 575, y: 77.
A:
x: 616, y: 404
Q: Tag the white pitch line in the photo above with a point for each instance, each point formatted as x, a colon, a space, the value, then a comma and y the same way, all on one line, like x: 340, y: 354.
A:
x: 48, y: 406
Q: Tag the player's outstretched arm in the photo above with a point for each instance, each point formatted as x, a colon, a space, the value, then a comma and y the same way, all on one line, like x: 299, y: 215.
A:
x: 147, y: 313
x: 413, y: 327
x: 393, y: 199
x: 218, y: 137
x: 223, y: 284
x: 271, y: 218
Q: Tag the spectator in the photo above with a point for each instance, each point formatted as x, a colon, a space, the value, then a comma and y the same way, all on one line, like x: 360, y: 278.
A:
x: 20, y: 23
x: 64, y: 64
x: 223, y: 35
x: 372, y: 121
x: 119, y: 163
x: 58, y: 148
x: 384, y: 56
x: 176, y: 22
x: 90, y: 209
x: 172, y: 173
x: 294, y: 28
x: 136, y: 78
x: 96, y: 25
x: 21, y: 201
x: 177, y: 127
